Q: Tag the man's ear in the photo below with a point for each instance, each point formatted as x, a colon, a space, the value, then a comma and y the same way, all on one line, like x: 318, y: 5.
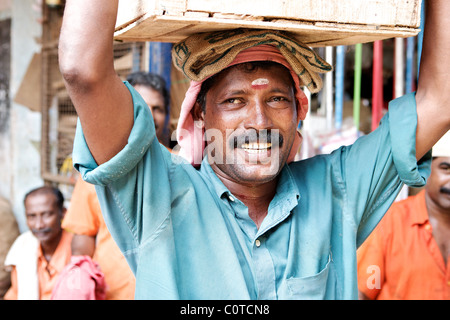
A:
x: 197, y: 112
x: 63, y: 213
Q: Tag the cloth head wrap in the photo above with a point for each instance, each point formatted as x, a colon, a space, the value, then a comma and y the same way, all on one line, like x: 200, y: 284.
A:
x: 203, y: 55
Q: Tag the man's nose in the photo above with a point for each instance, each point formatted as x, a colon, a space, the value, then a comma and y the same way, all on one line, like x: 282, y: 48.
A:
x: 258, y: 116
x: 39, y: 223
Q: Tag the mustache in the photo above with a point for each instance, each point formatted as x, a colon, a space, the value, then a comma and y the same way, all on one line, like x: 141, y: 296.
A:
x: 444, y: 190
x: 41, y: 230
x: 253, y: 136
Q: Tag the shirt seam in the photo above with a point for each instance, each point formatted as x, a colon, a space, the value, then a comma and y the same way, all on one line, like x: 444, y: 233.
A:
x: 380, y: 201
x: 171, y: 167
x: 125, y: 216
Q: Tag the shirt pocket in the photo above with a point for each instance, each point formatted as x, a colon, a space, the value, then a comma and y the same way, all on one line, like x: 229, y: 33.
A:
x: 313, y: 287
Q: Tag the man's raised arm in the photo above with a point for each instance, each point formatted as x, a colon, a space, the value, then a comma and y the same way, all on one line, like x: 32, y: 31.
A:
x: 86, y: 60
x: 433, y: 93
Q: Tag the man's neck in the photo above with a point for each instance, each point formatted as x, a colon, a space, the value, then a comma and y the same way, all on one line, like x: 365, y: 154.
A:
x: 256, y: 197
x: 437, y: 213
x: 49, y: 247
x: 440, y: 222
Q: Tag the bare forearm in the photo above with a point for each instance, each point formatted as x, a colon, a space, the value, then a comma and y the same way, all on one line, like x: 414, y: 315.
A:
x: 101, y: 100
x: 434, y: 65
x: 433, y: 93
x: 86, y: 37
x: 83, y: 245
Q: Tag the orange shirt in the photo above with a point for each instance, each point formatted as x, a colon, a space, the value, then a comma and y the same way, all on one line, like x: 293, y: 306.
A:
x: 84, y: 217
x: 48, y: 271
x: 401, y: 259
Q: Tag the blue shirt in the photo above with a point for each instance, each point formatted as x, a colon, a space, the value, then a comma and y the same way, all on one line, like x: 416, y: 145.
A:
x: 185, y: 236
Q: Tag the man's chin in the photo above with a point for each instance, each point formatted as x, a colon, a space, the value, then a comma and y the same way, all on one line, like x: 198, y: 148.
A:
x: 251, y: 173
x: 42, y: 236
x: 249, y: 167
x: 263, y: 164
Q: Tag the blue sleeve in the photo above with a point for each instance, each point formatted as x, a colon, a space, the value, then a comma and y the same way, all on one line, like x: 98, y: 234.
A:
x: 376, y: 166
x: 141, y: 137
x: 141, y: 168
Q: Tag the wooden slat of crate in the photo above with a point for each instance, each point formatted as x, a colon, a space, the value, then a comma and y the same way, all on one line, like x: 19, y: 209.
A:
x: 376, y: 12
x: 168, y: 28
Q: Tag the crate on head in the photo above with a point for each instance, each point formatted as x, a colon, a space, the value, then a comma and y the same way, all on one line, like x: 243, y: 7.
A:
x: 316, y: 23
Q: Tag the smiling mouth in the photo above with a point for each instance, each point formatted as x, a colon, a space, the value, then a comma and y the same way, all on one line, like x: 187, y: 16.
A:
x: 41, y: 234
x: 445, y: 191
x: 257, y: 142
x: 256, y: 148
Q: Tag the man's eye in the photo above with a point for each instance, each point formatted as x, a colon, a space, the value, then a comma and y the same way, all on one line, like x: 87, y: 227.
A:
x: 158, y: 109
x: 278, y: 99
x: 233, y: 101
x: 47, y: 214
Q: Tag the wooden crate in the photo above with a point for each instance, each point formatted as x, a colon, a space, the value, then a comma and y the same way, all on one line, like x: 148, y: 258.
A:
x: 315, y: 22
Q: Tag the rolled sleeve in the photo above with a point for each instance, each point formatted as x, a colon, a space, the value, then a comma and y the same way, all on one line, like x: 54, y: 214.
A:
x: 385, y: 160
x: 141, y: 137
x: 403, y: 125
x: 133, y: 187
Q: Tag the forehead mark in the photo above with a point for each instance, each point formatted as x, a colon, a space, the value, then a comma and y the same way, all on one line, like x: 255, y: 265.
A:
x: 260, y: 83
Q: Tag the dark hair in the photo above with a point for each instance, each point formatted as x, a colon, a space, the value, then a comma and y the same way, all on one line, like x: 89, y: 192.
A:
x: 153, y: 81
x: 246, y: 67
x: 48, y: 190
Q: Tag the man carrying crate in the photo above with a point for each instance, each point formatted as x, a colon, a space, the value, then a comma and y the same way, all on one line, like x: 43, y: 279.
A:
x: 239, y: 219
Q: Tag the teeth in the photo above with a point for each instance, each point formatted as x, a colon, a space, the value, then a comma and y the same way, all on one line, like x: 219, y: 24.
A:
x: 256, y: 147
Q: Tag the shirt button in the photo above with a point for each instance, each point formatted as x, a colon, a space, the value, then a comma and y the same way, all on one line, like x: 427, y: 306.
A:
x: 231, y: 198
x: 257, y: 243
x: 448, y: 283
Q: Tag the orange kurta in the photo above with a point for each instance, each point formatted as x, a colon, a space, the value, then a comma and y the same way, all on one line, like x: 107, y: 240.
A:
x: 48, y: 271
x: 84, y: 217
x: 401, y: 259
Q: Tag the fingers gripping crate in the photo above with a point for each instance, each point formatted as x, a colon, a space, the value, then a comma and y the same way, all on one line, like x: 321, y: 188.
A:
x: 315, y: 22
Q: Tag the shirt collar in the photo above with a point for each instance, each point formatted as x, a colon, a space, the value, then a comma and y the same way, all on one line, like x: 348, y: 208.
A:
x: 419, y: 215
x: 217, y: 184
x: 59, y: 257
x: 287, y: 190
